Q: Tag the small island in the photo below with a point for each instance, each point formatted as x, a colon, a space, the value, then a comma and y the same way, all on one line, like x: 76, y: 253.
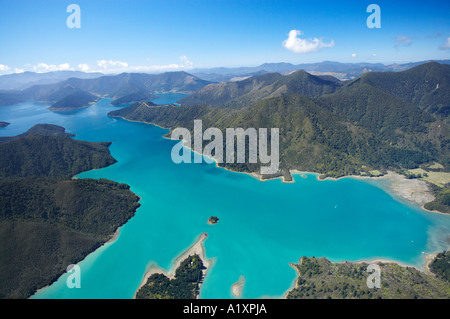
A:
x: 213, y: 220
x: 4, y: 124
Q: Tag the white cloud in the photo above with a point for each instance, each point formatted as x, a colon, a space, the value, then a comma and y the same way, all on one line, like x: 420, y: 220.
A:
x: 298, y: 45
x: 403, y: 40
x: 446, y: 44
x: 83, y: 67
x: 43, y: 67
x: 186, y: 63
x: 64, y: 67
x: 110, y: 64
x: 4, y: 68
x: 354, y: 55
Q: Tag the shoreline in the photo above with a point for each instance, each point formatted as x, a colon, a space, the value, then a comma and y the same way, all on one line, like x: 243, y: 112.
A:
x: 412, y: 190
x: 197, y: 248
x: 429, y: 257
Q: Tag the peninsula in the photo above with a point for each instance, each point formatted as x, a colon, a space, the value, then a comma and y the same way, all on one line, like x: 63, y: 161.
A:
x: 44, y: 226
x: 319, y: 278
x: 183, y: 281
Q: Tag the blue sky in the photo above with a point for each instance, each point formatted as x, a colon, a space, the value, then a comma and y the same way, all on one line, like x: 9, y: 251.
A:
x: 151, y: 36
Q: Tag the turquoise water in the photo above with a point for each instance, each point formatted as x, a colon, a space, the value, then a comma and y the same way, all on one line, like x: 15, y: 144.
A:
x: 263, y: 225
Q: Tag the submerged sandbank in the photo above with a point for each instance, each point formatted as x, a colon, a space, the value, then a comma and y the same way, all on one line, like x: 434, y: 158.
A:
x: 236, y: 288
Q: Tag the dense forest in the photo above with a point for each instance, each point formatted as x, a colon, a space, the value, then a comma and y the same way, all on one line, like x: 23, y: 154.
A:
x: 441, y: 265
x: 321, y: 279
x: 185, y: 285
x: 48, y: 220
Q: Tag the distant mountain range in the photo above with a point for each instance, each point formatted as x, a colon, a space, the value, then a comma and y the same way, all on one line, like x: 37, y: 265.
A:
x: 129, y: 87
x: 21, y: 81
x: 342, y: 71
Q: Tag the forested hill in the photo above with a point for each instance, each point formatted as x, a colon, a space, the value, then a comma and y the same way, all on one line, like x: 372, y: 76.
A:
x: 257, y: 88
x: 321, y: 279
x: 427, y: 86
x: 47, y: 220
x: 47, y: 151
x: 337, y: 131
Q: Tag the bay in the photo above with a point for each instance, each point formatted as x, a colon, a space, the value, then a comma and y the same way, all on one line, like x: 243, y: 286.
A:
x: 263, y: 226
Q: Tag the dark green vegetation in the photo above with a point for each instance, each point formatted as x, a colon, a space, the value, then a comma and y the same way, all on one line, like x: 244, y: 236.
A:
x: 442, y: 201
x: 47, y: 220
x: 427, y: 86
x: 37, y: 153
x: 75, y: 100
x: 4, y: 124
x: 321, y: 279
x: 335, y: 130
x: 185, y: 285
x: 441, y: 265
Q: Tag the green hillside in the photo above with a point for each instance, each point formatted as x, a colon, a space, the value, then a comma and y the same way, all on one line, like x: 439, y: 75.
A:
x: 321, y: 279
x: 48, y: 220
x: 254, y: 89
x: 427, y: 86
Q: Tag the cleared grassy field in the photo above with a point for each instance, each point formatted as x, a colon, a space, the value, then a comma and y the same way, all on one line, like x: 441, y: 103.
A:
x: 436, y: 166
x: 437, y: 178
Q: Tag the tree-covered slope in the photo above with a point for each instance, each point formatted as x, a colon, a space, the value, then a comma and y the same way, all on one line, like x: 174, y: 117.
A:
x: 321, y: 279
x: 257, y: 88
x: 52, y: 156
x: 47, y: 224
x: 335, y: 135
x: 47, y: 220
x: 426, y: 85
